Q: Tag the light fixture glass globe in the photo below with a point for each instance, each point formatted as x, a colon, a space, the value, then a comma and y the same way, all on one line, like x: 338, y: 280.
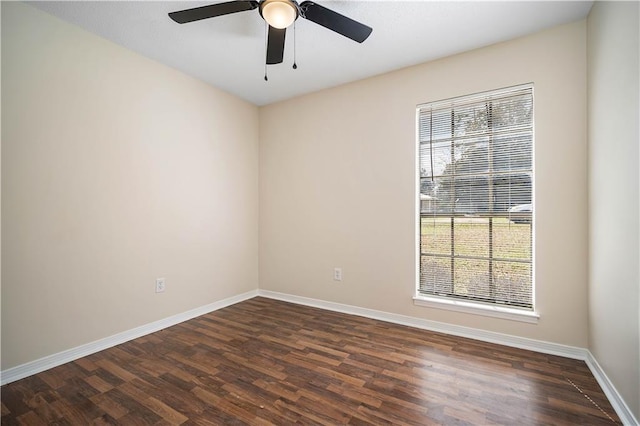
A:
x: 279, y: 13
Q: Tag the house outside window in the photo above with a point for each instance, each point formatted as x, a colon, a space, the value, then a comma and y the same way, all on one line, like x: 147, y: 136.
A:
x: 476, y: 199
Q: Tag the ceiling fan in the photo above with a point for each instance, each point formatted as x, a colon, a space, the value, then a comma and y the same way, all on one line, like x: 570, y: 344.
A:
x: 279, y: 14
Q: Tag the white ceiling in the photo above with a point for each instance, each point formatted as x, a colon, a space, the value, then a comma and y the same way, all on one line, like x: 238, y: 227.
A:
x: 229, y: 51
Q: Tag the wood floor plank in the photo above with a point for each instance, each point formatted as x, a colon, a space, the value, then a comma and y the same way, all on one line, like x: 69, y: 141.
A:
x: 32, y: 419
x: 109, y: 406
x: 167, y: 413
x: 278, y: 388
x: 266, y: 362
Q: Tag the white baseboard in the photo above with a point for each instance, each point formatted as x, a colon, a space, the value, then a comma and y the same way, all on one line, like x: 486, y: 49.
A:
x: 21, y: 371
x: 618, y: 404
x: 440, y: 327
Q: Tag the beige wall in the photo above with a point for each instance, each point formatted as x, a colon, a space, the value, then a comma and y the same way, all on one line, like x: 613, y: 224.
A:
x: 614, y: 194
x: 337, y: 183
x: 115, y: 170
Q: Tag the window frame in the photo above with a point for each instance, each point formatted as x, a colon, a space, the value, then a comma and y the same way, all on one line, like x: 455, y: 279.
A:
x: 469, y: 305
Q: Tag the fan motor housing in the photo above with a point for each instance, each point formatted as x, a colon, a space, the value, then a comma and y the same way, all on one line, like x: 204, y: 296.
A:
x: 279, y: 13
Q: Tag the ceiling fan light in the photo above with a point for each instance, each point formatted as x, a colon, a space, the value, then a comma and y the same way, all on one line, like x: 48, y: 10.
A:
x: 279, y: 13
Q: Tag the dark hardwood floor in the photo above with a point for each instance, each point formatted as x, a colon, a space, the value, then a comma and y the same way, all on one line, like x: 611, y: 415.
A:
x: 268, y: 362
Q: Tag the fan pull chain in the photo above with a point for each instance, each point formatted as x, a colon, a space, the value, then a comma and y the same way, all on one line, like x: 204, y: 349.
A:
x: 295, y: 66
x: 266, y: 35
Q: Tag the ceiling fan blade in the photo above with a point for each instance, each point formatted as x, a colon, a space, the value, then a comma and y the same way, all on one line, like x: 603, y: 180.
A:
x: 335, y: 21
x: 213, y: 10
x: 275, y: 45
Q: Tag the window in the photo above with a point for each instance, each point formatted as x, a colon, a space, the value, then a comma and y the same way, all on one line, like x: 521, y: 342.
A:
x: 476, y: 209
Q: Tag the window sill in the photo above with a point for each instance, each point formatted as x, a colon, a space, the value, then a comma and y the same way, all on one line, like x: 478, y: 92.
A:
x: 477, y: 309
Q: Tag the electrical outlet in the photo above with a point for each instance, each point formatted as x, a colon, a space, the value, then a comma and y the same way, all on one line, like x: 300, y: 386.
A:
x: 160, y: 285
x: 337, y: 274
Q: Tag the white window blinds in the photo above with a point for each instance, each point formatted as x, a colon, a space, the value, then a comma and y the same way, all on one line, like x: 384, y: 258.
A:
x: 476, y: 215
